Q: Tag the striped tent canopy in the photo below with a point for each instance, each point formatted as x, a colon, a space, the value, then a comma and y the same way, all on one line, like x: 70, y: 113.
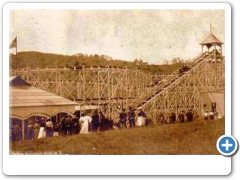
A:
x: 26, y: 100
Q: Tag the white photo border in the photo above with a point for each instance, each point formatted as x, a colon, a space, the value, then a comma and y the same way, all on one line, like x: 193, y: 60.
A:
x: 133, y: 164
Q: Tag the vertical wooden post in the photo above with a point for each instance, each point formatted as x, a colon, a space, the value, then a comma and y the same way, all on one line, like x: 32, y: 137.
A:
x: 127, y: 87
x: 84, y: 85
x: 23, y: 130
x: 109, y: 90
x: 16, y: 56
x: 154, y: 111
x: 28, y: 74
x: 215, y: 53
x: 112, y: 95
x: 98, y: 84
x: 78, y: 86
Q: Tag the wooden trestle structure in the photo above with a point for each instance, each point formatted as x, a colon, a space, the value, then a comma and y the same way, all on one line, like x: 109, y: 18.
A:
x: 182, y: 91
x: 109, y: 88
x: 112, y: 89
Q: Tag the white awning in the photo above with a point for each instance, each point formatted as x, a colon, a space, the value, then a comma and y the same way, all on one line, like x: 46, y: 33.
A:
x: 26, y: 101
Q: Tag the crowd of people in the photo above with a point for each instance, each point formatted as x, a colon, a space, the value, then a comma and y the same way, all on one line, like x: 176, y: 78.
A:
x: 130, y: 119
x: 172, y: 118
x: 96, y: 122
x: 211, y: 115
x: 69, y: 125
x: 183, y: 69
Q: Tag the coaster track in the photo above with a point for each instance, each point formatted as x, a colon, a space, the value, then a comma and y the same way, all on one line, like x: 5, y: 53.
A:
x: 112, y: 88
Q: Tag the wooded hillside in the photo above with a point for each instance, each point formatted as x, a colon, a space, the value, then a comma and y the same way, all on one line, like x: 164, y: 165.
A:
x: 42, y: 60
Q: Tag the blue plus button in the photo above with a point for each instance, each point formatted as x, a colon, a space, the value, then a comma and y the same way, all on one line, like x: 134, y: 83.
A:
x: 227, y: 145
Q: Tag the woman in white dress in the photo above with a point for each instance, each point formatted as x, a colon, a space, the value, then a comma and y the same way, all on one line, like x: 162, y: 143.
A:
x: 42, y: 131
x: 141, y: 118
x: 84, y: 121
x: 205, y: 115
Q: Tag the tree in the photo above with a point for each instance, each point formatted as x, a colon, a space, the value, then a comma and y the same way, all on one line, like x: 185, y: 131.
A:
x: 76, y: 63
x: 165, y: 62
x: 174, y: 61
x: 96, y: 57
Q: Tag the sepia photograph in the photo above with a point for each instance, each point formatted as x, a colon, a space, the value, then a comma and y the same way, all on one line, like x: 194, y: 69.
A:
x: 116, y: 81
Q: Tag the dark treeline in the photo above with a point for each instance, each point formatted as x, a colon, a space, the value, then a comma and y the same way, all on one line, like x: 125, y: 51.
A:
x: 42, y: 60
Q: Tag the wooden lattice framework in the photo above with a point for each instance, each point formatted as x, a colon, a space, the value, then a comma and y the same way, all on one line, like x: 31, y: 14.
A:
x: 183, y: 91
x: 113, y: 88
x: 109, y: 88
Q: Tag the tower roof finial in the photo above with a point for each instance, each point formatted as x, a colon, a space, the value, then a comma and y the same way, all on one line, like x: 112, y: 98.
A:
x: 211, y: 26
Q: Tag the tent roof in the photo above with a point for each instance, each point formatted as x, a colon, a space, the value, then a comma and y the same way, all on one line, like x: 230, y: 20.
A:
x: 23, y: 94
x: 26, y: 100
x: 31, y: 96
x: 211, y: 39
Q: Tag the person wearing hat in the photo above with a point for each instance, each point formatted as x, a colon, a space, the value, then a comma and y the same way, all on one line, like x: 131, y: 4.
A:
x: 131, y: 117
x: 211, y: 115
x: 189, y: 115
x: 30, y: 130
x: 17, y: 132
x: 36, y: 127
x: 42, y: 130
x: 63, y: 126
x: 123, y: 119
x: 95, y: 121
x: 69, y: 124
x: 161, y: 118
x: 101, y: 121
x: 173, y: 117
x: 181, y: 117
x: 141, y: 118
x: 49, y: 128
x: 85, y: 121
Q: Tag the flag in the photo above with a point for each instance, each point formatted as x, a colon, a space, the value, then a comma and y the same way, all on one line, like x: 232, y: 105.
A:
x: 13, y: 43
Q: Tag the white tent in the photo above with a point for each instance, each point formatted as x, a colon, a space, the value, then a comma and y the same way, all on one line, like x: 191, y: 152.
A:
x: 26, y: 101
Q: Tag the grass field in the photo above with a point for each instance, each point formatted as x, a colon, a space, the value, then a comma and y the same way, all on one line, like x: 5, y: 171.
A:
x: 197, y: 137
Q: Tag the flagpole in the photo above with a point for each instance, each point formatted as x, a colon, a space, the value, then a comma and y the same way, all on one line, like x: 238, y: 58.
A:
x: 16, y: 45
x: 16, y: 57
x: 211, y: 26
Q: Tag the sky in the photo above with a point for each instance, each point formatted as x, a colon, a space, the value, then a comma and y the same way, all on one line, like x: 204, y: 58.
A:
x: 150, y: 35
